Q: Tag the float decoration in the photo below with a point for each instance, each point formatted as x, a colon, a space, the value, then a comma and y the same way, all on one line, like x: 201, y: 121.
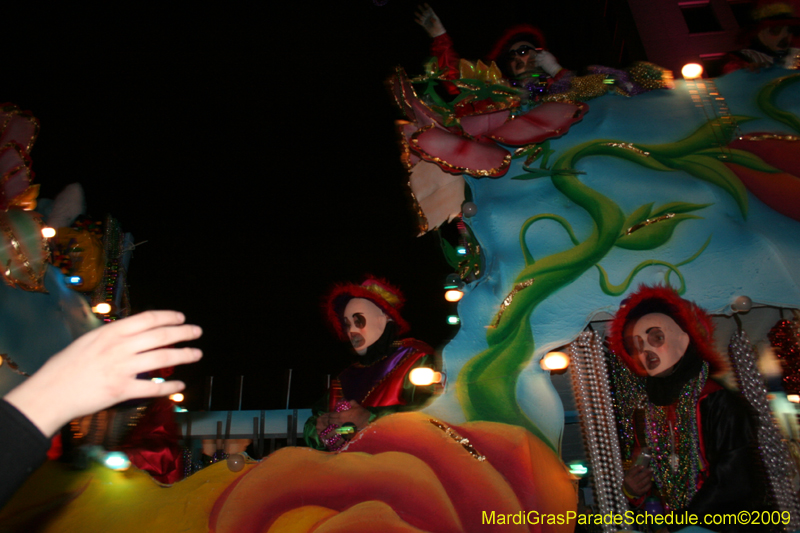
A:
x: 785, y: 340
x: 442, y: 479
x: 780, y: 468
x: 646, y: 189
x: 23, y: 250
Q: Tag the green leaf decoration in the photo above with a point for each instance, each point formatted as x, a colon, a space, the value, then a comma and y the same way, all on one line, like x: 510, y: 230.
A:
x: 450, y: 255
x: 677, y: 207
x: 533, y: 173
x: 713, y: 171
x: 617, y: 290
x: 740, y: 157
x: 640, y: 215
x: 609, y: 147
x: 529, y: 260
x: 768, y: 97
x: 653, y: 235
x: 714, y: 133
x: 527, y: 151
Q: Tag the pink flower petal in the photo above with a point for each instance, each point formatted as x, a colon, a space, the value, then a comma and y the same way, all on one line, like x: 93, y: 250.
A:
x: 477, y: 125
x: 551, y: 119
x: 457, y: 154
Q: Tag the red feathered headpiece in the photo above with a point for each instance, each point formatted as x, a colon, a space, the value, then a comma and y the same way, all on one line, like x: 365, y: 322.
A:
x: 387, y: 297
x: 515, y: 34
x: 659, y: 299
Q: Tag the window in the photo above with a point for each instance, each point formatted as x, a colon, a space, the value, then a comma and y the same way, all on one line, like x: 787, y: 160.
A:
x: 700, y: 17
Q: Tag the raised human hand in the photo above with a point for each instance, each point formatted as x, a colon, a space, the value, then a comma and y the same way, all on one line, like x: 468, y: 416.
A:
x: 99, y: 369
x: 547, y: 62
x: 427, y: 18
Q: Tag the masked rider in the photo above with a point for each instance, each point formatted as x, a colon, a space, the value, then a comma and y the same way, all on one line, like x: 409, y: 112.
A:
x: 377, y: 384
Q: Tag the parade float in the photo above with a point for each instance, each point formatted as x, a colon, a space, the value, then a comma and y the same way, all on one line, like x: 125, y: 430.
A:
x: 557, y: 208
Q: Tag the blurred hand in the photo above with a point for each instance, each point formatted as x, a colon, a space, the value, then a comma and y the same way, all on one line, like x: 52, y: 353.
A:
x: 426, y: 18
x: 99, y: 369
x: 638, y: 480
x: 547, y: 62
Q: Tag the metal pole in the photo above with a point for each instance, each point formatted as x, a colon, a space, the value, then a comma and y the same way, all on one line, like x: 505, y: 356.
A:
x: 289, y: 388
x: 209, y: 387
x: 241, y: 389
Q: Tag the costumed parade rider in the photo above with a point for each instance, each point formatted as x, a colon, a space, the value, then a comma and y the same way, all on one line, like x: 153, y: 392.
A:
x: 368, y: 316
x: 769, y: 39
x: 695, y: 445
x: 521, y: 54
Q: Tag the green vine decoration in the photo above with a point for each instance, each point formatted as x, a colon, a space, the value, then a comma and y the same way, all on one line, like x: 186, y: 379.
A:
x: 767, y: 101
x: 487, y: 383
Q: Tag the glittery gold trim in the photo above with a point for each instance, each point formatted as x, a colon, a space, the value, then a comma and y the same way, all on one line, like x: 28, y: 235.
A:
x: 391, y: 298
x: 464, y: 442
x: 35, y: 283
x: 10, y: 110
x: 405, y: 149
x: 26, y: 200
x: 647, y: 222
x: 409, y: 95
x: 25, y: 163
x: 768, y: 137
x: 535, y: 149
x: 390, y: 373
x: 518, y: 287
x: 453, y: 168
x: 423, y: 220
x: 627, y: 146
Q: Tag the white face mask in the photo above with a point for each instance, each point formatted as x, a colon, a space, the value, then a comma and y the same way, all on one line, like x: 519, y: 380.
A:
x: 658, y: 342
x: 364, y: 323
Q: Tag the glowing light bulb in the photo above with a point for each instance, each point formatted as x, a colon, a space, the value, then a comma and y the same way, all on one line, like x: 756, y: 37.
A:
x: 461, y: 250
x: 577, y: 469
x: 102, y: 308
x: 794, y: 398
x: 157, y: 380
x: 453, y: 295
x: 75, y: 280
x: 117, y: 461
x: 177, y: 397
x: 424, y: 376
x: 555, y: 361
x: 692, y: 71
x: 48, y: 232
x: 453, y: 320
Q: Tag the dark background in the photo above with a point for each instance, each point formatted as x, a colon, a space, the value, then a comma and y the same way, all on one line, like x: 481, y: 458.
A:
x: 254, y: 149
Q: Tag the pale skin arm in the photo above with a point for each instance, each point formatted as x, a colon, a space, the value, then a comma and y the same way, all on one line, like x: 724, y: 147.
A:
x: 99, y: 369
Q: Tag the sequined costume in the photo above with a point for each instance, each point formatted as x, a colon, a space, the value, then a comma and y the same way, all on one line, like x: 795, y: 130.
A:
x: 379, y: 380
x: 382, y: 387
x: 713, y: 437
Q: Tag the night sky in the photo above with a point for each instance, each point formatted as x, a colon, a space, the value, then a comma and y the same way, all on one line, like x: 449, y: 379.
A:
x: 254, y: 149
